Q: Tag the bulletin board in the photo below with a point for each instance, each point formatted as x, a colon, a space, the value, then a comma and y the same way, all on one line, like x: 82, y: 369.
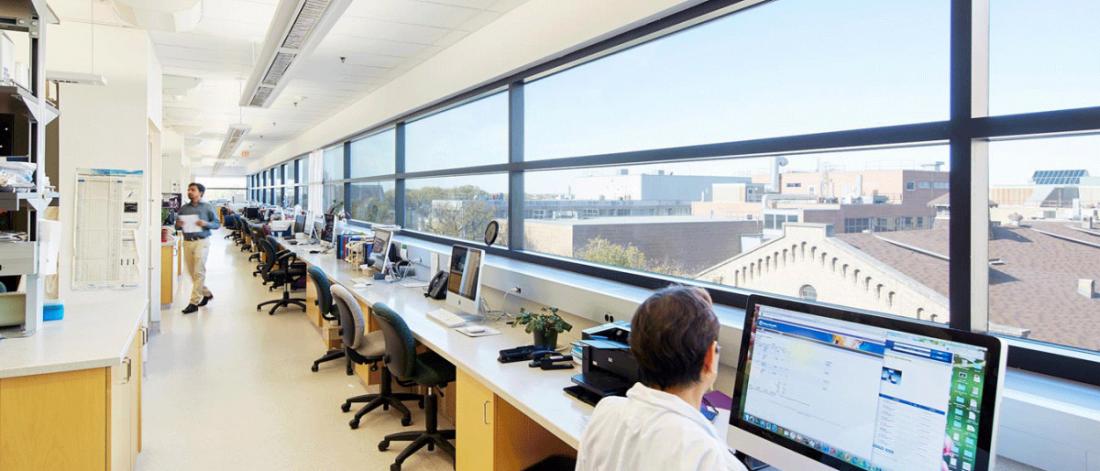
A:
x: 108, y: 220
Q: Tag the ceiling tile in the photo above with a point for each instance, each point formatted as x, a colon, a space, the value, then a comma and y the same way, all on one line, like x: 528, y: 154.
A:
x: 412, y: 12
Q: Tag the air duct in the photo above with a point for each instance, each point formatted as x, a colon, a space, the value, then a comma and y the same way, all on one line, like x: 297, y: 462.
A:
x: 296, y: 29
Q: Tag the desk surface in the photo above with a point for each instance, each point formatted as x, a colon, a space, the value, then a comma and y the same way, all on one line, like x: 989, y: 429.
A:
x: 535, y: 392
x: 92, y: 335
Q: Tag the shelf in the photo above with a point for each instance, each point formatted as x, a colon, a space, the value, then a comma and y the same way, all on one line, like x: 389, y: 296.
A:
x: 24, y: 102
x: 38, y: 201
x: 24, y: 15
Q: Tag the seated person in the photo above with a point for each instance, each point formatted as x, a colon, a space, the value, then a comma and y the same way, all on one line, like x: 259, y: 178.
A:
x: 658, y: 425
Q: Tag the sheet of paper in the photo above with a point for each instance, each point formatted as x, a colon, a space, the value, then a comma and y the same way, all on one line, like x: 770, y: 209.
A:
x: 190, y: 223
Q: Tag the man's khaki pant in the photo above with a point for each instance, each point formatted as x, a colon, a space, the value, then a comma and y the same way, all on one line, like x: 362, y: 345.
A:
x: 194, y: 255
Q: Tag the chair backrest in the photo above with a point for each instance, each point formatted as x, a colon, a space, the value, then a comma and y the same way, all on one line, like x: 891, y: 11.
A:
x: 324, y: 292
x: 400, y: 343
x: 267, y: 247
x: 353, y: 324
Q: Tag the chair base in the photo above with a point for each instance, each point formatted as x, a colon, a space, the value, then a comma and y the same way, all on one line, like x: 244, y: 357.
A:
x: 430, y: 437
x: 285, y: 301
x: 385, y: 398
x: 330, y: 356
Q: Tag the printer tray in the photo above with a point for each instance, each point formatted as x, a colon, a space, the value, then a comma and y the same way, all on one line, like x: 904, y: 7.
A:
x: 594, y: 385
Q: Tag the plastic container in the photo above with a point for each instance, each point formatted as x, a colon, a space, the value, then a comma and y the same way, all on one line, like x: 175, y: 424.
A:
x: 53, y: 310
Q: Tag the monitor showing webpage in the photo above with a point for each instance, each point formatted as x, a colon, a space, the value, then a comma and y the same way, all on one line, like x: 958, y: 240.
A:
x: 871, y: 397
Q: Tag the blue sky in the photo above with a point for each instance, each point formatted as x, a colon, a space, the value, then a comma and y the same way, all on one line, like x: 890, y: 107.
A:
x: 791, y: 67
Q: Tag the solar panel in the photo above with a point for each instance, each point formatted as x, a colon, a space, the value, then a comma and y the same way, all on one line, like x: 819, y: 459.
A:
x: 1058, y: 177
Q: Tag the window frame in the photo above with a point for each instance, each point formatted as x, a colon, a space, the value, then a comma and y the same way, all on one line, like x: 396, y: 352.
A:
x: 968, y: 126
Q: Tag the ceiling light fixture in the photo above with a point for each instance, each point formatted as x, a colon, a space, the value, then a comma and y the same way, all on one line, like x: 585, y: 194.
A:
x: 296, y: 29
x: 233, y: 139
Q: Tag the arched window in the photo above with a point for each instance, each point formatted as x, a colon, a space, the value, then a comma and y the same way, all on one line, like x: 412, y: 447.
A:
x: 808, y: 293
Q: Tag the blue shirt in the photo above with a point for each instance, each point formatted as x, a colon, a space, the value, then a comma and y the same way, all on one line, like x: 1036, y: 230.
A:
x: 205, y: 211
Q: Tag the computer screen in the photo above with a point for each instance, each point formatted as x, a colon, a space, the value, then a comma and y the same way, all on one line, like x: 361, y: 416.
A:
x: 859, y: 391
x: 252, y: 212
x: 300, y: 223
x: 464, y: 276
x: 381, y: 241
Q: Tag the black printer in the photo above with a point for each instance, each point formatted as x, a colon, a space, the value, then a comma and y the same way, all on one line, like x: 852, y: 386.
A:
x: 607, y: 367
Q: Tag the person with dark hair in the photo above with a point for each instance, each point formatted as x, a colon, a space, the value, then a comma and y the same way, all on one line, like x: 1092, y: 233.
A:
x: 658, y: 425
x: 196, y: 245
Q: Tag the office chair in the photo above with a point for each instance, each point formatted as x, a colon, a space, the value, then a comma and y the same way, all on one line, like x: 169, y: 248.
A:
x: 257, y: 235
x: 324, y: 303
x: 425, y: 369
x: 281, y: 269
x: 365, y: 348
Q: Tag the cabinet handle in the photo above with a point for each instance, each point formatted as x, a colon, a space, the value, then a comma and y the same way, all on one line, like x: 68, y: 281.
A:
x: 485, y: 412
x: 144, y: 336
x: 129, y: 369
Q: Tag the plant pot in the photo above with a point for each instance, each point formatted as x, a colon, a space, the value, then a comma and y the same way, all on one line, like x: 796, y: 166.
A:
x: 546, y: 338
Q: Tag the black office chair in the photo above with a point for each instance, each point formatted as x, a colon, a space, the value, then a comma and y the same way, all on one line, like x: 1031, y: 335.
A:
x: 368, y: 348
x: 425, y: 369
x: 324, y: 304
x: 281, y: 269
x: 257, y: 233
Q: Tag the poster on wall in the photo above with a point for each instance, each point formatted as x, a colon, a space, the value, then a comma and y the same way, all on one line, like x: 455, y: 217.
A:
x: 108, y: 218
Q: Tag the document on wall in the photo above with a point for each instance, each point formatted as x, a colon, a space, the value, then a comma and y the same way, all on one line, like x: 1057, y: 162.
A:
x: 109, y: 216
x: 190, y: 223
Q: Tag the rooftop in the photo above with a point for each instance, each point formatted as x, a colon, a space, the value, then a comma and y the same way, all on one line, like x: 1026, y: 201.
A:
x: 1034, y: 288
x: 617, y: 220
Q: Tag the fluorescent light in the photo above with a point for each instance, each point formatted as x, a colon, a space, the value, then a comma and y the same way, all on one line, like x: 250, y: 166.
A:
x: 296, y: 29
x: 76, y: 78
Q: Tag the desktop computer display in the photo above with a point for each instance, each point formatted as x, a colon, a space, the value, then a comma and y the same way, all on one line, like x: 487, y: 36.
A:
x: 464, y: 277
x: 381, y: 241
x: 252, y: 212
x: 821, y: 388
x: 300, y: 223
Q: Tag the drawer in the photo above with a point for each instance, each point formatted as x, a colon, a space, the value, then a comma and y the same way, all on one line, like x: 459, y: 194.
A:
x: 18, y: 258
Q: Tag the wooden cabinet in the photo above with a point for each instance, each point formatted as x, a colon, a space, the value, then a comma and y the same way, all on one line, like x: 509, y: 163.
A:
x: 73, y: 420
x: 474, y: 404
x: 494, y: 435
x: 169, y: 269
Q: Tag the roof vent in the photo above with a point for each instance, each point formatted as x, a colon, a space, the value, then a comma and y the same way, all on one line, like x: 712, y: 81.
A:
x: 996, y: 261
x: 1086, y: 288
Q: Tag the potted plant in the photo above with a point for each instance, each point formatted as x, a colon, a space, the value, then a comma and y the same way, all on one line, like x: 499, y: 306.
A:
x: 545, y: 325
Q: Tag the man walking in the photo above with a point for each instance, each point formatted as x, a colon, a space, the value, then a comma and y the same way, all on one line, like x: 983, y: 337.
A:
x: 196, y: 245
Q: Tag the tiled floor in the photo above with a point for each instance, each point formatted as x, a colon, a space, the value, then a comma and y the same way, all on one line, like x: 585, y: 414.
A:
x: 229, y: 388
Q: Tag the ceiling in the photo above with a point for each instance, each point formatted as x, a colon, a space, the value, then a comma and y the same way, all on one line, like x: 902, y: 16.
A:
x: 380, y: 39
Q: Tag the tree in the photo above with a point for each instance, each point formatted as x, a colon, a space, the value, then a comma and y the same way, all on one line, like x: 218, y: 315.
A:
x: 601, y: 250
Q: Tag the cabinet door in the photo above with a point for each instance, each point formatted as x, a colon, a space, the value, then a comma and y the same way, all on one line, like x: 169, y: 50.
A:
x: 474, y: 422
x: 135, y: 395
x: 120, y: 415
x: 54, y: 421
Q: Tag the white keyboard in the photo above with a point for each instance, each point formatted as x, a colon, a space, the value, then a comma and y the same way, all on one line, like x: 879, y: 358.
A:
x: 446, y: 318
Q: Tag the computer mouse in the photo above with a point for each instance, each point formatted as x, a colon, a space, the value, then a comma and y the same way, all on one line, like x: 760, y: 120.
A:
x: 475, y: 329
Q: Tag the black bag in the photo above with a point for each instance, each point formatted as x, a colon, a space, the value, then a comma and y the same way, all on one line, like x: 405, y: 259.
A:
x: 437, y: 288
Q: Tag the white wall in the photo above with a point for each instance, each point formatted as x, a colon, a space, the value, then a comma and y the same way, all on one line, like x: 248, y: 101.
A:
x: 104, y: 127
x: 531, y: 33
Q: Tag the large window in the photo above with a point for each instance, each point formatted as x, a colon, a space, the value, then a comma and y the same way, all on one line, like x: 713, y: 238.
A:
x: 796, y: 147
x: 474, y: 133
x: 372, y: 202
x: 458, y: 207
x: 715, y: 221
x: 788, y: 67
x: 373, y: 155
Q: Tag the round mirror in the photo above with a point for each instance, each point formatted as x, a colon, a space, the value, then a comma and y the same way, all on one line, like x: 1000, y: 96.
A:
x: 491, y: 233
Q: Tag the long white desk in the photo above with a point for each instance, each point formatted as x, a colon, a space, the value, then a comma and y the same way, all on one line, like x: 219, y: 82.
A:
x: 533, y: 391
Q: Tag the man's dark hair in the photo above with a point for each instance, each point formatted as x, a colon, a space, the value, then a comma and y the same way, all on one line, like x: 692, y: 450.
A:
x: 670, y: 335
x: 199, y: 186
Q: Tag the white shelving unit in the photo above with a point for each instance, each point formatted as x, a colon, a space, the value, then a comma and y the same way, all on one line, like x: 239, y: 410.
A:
x: 28, y: 106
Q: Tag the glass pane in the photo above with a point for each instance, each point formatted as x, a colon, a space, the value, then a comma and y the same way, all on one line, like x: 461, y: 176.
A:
x: 780, y: 68
x: 458, y: 207
x: 836, y: 227
x: 333, y: 197
x: 373, y: 202
x: 374, y: 155
x: 334, y: 163
x: 1044, y: 246
x: 303, y: 170
x: 475, y: 133
x: 1042, y: 55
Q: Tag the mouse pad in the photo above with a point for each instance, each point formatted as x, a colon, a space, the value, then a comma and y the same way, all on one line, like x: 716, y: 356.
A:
x: 488, y: 331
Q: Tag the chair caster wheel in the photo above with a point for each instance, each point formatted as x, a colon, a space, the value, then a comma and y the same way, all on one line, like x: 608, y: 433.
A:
x: 385, y: 407
x: 354, y: 424
x: 383, y: 445
x: 420, y: 403
x: 431, y: 446
x: 313, y: 368
x: 345, y: 407
x: 406, y: 421
x: 395, y: 467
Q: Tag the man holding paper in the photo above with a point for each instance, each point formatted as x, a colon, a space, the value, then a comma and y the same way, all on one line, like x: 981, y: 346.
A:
x: 196, y: 218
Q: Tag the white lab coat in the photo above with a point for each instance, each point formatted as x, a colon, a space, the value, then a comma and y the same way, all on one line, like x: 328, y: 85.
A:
x: 651, y: 430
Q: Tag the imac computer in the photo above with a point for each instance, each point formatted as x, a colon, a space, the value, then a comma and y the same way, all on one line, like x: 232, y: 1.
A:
x: 464, y: 279
x: 300, y: 223
x: 379, y: 249
x: 826, y: 388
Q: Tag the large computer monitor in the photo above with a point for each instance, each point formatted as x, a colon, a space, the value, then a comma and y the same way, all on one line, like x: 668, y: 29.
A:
x: 381, y: 241
x: 300, y: 223
x: 464, y: 279
x: 252, y: 212
x: 825, y: 388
